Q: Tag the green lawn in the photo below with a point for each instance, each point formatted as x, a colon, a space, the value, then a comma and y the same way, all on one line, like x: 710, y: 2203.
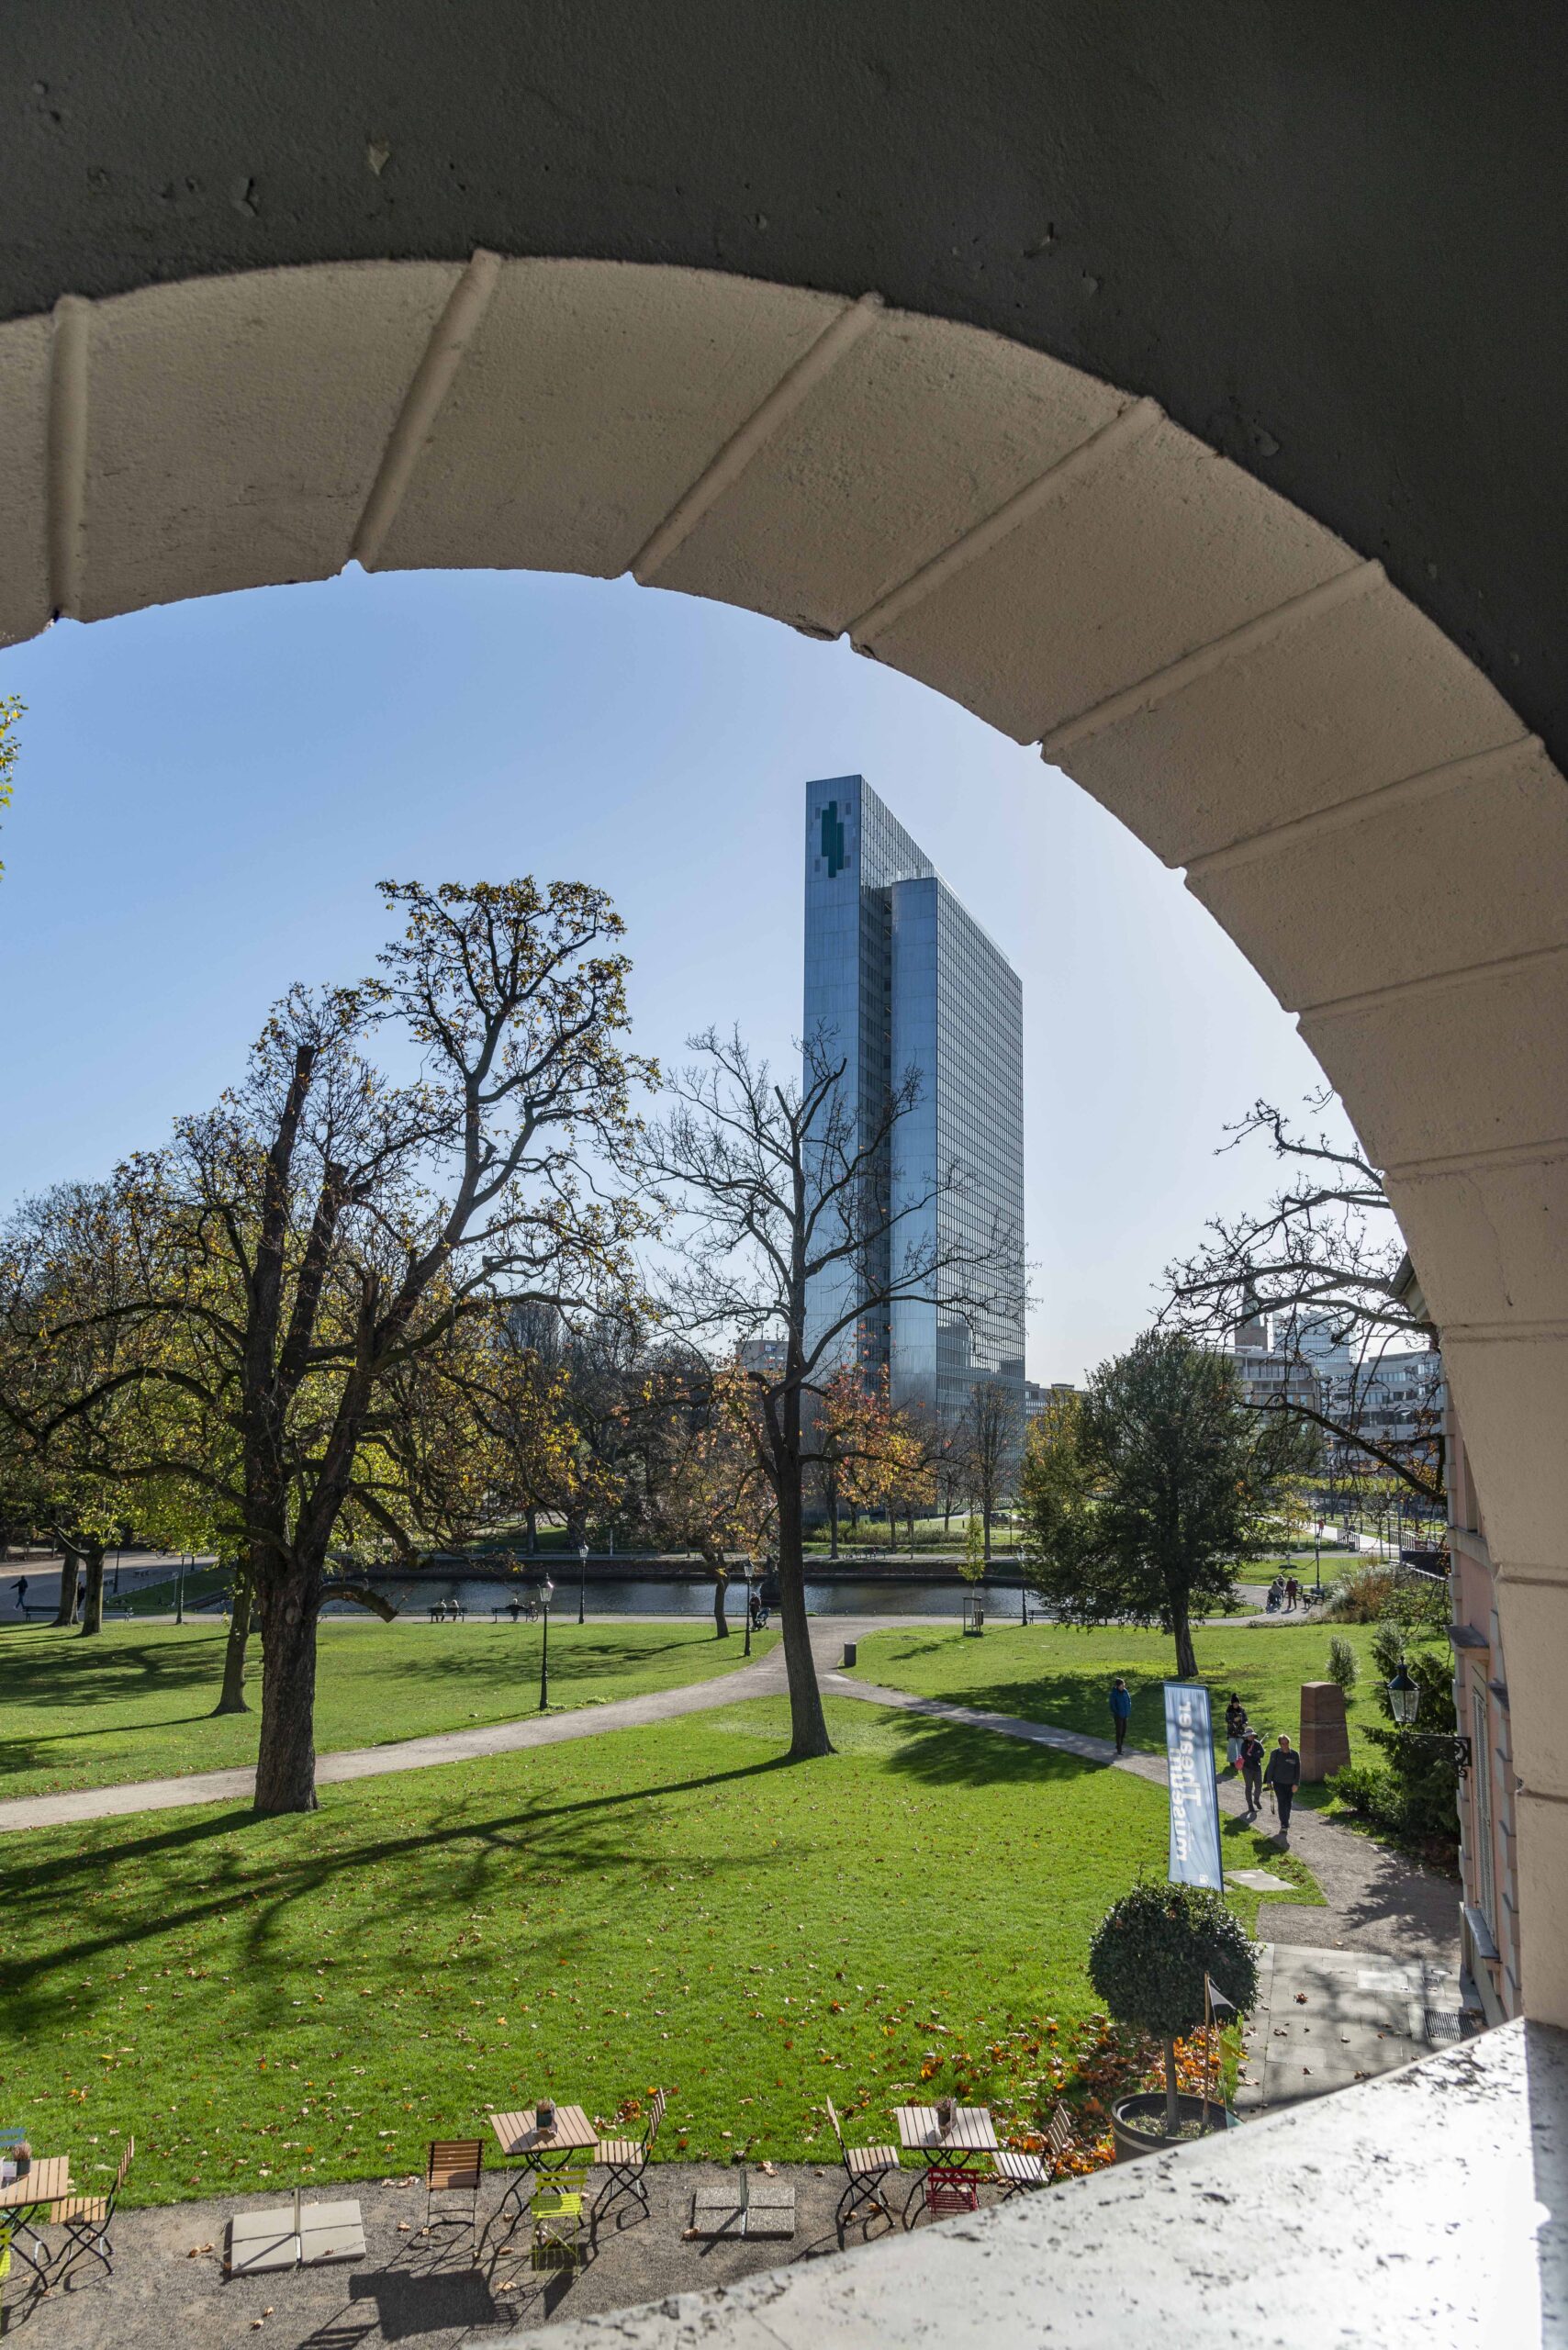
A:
x: 136, y: 1703
x: 1054, y: 1674
x: 314, y: 1999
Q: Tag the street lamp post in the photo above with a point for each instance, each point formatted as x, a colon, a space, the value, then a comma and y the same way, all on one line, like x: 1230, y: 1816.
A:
x: 180, y: 1590
x: 582, y: 1581
x: 545, y: 1655
x: 747, y: 1650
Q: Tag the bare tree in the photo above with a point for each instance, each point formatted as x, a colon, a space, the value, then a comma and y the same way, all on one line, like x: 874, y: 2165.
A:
x: 1326, y: 1260
x: 792, y: 1220
x: 991, y: 1438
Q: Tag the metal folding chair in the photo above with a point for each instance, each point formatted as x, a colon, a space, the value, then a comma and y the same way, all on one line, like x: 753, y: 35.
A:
x: 865, y: 2170
x: 556, y: 2211
x: 625, y: 2160
x: 87, y: 2220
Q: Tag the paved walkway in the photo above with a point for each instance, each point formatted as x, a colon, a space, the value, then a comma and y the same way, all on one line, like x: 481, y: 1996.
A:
x: 1376, y: 1901
x: 764, y: 1678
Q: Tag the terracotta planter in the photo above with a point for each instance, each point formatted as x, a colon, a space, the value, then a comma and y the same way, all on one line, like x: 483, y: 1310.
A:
x: 1137, y: 2123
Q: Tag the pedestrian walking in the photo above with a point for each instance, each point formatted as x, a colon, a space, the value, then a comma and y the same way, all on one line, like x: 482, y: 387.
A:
x: 1121, y: 1709
x: 1283, y: 1775
x: 21, y: 1593
x: 1253, y: 1771
x: 1293, y: 1592
x: 1235, y: 1729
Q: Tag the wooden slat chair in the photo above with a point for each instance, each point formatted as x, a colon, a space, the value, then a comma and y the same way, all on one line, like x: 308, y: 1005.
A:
x: 456, y: 2167
x: 866, y: 2170
x: 87, y: 2220
x: 1058, y: 2139
x: 625, y: 2160
x: 556, y: 2211
x: 1016, y: 2173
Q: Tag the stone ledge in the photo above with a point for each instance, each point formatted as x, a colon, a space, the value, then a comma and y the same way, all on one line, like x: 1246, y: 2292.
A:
x: 1430, y: 2207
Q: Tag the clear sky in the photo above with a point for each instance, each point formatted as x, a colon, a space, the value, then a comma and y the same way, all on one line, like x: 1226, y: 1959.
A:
x: 207, y: 793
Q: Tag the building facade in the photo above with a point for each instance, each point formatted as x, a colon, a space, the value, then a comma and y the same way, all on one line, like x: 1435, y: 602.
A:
x: 900, y: 976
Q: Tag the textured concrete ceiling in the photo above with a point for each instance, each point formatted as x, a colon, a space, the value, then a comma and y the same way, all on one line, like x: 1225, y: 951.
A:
x: 1327, y: 240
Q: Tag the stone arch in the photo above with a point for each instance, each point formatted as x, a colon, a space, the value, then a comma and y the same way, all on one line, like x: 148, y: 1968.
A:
x: 1355, y: 803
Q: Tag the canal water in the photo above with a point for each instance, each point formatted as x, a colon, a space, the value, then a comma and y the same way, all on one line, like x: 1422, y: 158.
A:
x: 867, y: 1595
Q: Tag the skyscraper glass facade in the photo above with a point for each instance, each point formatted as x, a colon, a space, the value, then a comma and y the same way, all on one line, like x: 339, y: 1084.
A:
x: 899, y: 976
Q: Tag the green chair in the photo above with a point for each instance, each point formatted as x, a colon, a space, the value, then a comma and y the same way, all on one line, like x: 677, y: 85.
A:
x: 556, y: 2210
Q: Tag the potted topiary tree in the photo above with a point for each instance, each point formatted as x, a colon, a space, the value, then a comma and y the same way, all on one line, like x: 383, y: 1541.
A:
x: 1147, y: 1962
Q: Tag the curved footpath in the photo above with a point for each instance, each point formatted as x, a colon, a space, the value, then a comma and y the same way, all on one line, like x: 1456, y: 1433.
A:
x: 1376, y: 1901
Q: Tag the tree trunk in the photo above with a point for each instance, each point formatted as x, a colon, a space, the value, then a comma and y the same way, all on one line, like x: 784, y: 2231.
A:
x: 808, y: 1723
x: 231, y: 1698
x: 93, y: 1606
x: 833, y: 1518
x: 1172, y: 2110
x: 985, y: 1528
x: 285, y: 1760
x: 65, y: 1613
x: 1186, y: 1655
x: 532, y: 1516
x: 721, y: 1590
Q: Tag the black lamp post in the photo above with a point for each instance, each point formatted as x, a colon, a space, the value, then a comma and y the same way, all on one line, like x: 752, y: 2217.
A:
x: 582, y: 1580
x: 180, y: 1590
x: 747, y: 1650
x: 544, y: 1653
x: 1405, y: 1704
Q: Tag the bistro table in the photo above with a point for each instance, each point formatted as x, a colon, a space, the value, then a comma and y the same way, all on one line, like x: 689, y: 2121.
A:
x: 948, y: 2155
x: 538, y: 2151
x: 21, y: 2201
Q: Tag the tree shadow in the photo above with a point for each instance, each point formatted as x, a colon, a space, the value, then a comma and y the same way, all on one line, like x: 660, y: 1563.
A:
x: 558, y: 1841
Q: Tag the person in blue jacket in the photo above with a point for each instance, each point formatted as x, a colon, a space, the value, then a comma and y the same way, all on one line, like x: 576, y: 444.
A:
x: 1121, y: 1708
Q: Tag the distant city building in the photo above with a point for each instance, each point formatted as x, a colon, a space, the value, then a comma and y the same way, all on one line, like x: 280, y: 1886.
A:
x: 766, y: 1355
x: 900, y: 975
x: 1395, y: 1400
x: 1037, y: 1398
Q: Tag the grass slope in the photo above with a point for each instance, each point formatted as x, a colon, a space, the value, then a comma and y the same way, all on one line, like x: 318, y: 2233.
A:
x: 136, y: 1703
x: 316, y: 1997
x: 1054, y: 1674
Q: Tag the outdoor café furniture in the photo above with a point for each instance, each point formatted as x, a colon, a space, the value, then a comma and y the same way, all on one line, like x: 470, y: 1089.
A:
x: 24, y: 2202
x: 87, y: 2220
x: 570, y: 2135
x: 1016, y: 2173
x: 953, y: 2152
x: 865, y: 2170
x: 455, y: 2168
x: 625, y: 2160
x: 555, y: 2210
x: 1058, y: 2138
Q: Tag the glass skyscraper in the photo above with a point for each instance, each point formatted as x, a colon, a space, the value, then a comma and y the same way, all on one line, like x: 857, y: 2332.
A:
x: 900, y: 975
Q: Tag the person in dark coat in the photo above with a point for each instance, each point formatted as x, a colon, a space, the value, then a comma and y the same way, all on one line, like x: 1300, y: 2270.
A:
x: 1251, y: 1759
x: 1283, y: 1775
x: 1121, y: 1709
x: 1235, y: 1729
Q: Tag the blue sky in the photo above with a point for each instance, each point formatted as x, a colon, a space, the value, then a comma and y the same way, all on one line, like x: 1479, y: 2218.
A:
x: 207, y: 794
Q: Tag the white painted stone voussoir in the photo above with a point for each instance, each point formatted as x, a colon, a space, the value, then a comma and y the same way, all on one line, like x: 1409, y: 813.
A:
x: 1139, y: 563
x: 236, y: 425
x: 1490, y: 1240
x: 25, y: 601
x: 1470, y: 868
x: 1464, y: 1064
x: 920, y: 432
x: 592, y: 398
x: 1346, y: 691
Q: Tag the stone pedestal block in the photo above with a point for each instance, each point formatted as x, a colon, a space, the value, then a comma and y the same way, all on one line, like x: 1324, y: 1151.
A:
x: 1325, y: 1741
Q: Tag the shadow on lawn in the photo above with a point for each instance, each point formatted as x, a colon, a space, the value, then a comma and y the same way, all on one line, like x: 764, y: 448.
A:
x: 558, y: 1841
x: 951, y: 1754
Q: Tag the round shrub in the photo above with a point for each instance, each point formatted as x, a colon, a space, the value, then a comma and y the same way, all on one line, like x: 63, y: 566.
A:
x: 1151, y: 1954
